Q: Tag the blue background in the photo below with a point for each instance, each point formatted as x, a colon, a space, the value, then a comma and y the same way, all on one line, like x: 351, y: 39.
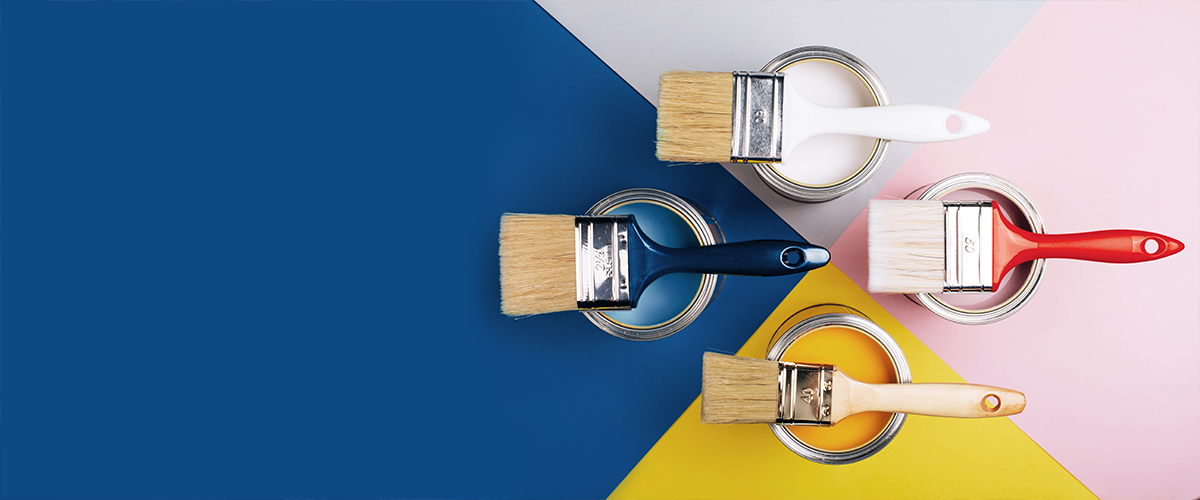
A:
x: 249, y: 250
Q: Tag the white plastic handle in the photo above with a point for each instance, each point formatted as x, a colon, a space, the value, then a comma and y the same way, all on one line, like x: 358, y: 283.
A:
x: 804, y: 119
x: 898, y: 122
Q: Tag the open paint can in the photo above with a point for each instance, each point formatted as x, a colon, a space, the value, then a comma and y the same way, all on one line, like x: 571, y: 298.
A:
x: 1020, y: 284
x: 832, y: 334
x: 673, y: 301
x: 827, y: 166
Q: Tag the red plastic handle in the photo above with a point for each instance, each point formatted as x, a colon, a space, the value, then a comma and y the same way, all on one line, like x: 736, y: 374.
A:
x: 1013, y: 246
x: 1119, y: 246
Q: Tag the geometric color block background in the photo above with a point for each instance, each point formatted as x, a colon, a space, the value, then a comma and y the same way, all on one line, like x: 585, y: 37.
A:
x: 1098, y: 128
x: 929, y: 458
x: 249, y: 249
x: 1098, y: 138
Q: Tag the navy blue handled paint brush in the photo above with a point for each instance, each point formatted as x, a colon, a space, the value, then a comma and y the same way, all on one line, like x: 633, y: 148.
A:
x: 551, y: 263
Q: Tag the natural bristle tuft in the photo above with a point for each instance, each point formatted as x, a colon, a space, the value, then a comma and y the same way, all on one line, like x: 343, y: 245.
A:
x: 906, y: 246
x: 537, y: 264
x: 695, y: 116
x: 738, y: 390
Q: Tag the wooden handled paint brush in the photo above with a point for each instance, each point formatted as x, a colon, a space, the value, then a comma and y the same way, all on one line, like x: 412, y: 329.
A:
x: 739, y: 390
x: 551, y: 263
x: 969, y: 246
x: 740, y: 117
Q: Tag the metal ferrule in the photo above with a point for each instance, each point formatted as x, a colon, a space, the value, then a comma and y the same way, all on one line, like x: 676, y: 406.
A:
x: 757, y: 117
x: 805, y: 394
x: 602, y: 262
x: 968, y: 246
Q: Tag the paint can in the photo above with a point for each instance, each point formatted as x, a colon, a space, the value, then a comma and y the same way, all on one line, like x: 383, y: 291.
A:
x: 833, y: 334
x: 986, y: 308
x: 828, y: 166
x: 673, y: 301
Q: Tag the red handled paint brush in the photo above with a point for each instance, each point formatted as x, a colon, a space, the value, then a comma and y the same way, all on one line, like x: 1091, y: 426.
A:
x: 969, y: 246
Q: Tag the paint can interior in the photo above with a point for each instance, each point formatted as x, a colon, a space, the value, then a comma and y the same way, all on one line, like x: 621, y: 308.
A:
x: 832, y: 334
x: 673, y: 301
x: 827, y: 166
x: 1020, y: 284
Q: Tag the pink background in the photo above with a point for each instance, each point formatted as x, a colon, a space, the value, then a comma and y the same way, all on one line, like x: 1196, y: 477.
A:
x: 1095, y: 111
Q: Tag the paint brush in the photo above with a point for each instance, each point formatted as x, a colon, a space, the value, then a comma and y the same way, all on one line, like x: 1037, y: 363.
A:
x: 739, y: 117
x: 969, y: 246
x: 739, y: 390
x: 551, y: 263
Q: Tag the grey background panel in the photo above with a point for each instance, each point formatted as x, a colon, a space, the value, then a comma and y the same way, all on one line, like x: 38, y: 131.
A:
x: 925, y: 52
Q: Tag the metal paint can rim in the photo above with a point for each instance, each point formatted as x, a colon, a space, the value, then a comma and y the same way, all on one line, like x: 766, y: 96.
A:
x: 814, y: 194
x: 1002, y: 187
x: 860, y: 322
x: 707, y: 232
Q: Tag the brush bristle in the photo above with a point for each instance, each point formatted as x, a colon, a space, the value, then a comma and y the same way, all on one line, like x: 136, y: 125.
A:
x: 739, y: 390
x: 695, y: 116
x: 906, y: 246
x: 537, y: 264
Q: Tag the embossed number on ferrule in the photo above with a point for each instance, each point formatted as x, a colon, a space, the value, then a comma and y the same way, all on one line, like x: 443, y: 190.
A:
x: 602, y: 261
x: 757, y: 134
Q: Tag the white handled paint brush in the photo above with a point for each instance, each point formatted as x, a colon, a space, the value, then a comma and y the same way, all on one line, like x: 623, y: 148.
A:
x: 762, y: 118
x: 969, y: 246
x: 551, y: 263
x: 739, y: 390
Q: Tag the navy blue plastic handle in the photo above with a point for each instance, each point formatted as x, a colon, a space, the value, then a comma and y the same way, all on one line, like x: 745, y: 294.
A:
x: 747, y: 258
x: 649, y: 260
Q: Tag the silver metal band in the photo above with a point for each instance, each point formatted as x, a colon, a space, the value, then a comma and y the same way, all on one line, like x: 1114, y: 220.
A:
x: 602, y: 262
x: 968, y: 246
x: 805, y: 394
x: 757, y: 117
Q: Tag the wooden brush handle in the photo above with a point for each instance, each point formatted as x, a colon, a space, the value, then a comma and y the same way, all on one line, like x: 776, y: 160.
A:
x: 938, y: 400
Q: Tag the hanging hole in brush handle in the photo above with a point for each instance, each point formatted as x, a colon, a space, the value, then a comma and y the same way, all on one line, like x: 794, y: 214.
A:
x: 953, y: 124
x: 792, y: 257
x: 990, y: 403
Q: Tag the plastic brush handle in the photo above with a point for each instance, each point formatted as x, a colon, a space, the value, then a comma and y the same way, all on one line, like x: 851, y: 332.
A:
x: 649, y: 260
x: 897, y: 122
x: 1012, y: 246
x: 804, y: 119
x: 1118, y: 246
x: 747, y: 258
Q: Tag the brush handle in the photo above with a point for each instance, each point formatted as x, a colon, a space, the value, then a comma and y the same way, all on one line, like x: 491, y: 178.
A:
x: 1118, y: 246
x: 747, y: 258
x: 897, y: 122
x: 1012, y: 246
x: 937, y: 400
